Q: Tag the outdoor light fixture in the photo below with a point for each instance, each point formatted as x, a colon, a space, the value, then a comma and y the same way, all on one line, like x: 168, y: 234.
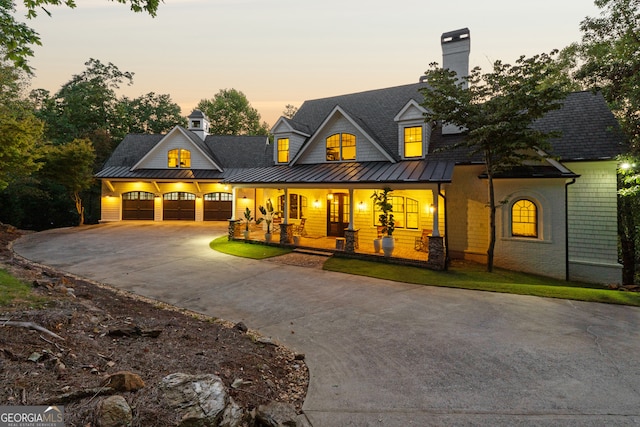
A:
x: 316, y: 203
x: 432, y: 209
x: 330, y: 196
x: 361, y: 206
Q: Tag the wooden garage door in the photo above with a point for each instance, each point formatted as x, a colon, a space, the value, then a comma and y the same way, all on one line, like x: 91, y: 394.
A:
x: 137, y: 205
x: 179, y: 206
x: 217, y: 206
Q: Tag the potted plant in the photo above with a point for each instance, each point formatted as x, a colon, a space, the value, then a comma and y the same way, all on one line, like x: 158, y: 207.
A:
x: 247, y: 219
x: 268, y: 214
x: 382, y: 201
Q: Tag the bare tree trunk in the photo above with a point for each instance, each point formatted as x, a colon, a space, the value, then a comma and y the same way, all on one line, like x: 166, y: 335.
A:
x: 492, y: 223
x: 78, y: 201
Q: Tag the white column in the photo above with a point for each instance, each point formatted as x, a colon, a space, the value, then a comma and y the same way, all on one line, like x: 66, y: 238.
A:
x: 233, y: 203
x: 351, y: 206
x: 436, y: 232
x: 286, y: 206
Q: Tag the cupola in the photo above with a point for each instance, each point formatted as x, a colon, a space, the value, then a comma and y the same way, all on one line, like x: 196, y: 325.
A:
x: 199, y: 124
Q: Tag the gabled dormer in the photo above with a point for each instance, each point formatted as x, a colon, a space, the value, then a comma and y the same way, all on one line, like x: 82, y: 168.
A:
x: 342, y: 138
x: 413, y: 133
x: 199, y: 124
x: 178, y: 149
x: 288, y: 138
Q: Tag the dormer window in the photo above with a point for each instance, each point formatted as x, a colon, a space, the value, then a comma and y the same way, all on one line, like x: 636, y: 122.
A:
x: 179, y: 158
x: 341, y: 146
x: 283, y: 150
x: 413, y: 141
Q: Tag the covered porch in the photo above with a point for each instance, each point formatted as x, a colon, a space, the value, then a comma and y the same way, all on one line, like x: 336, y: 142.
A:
x: 330, y: 206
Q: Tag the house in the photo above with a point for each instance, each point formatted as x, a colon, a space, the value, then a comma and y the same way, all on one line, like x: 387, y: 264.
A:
x: 559, y: 216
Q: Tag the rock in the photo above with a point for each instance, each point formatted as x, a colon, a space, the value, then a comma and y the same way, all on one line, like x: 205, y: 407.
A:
x: 200, y: 400
x: 124, y: 381
x: 114, y: 411
x: 277, y: 414
x: 241, y: 327
x: 299, y: 356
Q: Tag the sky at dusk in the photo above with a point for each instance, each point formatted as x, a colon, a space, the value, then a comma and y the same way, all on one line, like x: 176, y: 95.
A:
x: 280, y: 52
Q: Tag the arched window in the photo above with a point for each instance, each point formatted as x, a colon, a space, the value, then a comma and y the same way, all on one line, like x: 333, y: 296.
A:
x: 179, y: 158
x: 524, y: 219
x: 341, y: 146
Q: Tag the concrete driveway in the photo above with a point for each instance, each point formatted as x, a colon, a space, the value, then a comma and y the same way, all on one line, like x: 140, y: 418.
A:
x: 382, y: 353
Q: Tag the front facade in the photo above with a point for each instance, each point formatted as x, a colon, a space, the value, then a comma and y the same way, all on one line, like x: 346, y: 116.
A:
x: 558, y: 217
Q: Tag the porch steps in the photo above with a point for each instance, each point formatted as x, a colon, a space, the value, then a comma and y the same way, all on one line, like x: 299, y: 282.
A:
x: 318, y: 252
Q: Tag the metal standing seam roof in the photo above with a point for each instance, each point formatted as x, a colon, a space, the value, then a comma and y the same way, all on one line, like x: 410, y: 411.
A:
x: 341, y: 173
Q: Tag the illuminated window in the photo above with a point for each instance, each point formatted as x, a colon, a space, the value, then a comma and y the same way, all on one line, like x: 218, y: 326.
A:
x: 178, y: 196
x: 218, y: 197
x: 283, y: 150
x: 412, y: 214
x: 524, y: 219
x: 405, y: 213
x: 297, y: 205
x: 179, y: 158
x: 341, y: 146
x: 413, y: 141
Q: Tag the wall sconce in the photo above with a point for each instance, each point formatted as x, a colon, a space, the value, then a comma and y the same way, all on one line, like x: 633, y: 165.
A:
x: 330, y: 196
x: 361, y: 206
x: 316, y: 204
x: 432, y: 209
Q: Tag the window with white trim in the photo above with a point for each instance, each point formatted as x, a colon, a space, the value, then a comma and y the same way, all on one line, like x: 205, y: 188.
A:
x: 524, y: 219
x: 341, y: 146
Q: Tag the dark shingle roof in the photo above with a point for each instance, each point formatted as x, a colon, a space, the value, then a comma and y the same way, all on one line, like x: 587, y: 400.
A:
x: 589, y: 129
x: 374, y: 110
x: 228, y: 151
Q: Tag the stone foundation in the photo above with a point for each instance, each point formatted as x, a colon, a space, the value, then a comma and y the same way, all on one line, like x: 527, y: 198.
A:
x: 235, y: 229
x: 437, y: 259
x: 351, y: 241
x: 286, y: 234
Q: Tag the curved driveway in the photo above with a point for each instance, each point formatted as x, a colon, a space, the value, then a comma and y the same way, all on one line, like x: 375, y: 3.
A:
x: 382, y: 353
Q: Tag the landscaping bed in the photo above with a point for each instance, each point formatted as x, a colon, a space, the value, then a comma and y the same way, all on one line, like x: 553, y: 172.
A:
x: 101, y: 331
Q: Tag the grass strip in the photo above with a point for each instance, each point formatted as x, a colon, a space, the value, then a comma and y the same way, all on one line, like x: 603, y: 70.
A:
x: 475, y: 277
x: 246, y: 249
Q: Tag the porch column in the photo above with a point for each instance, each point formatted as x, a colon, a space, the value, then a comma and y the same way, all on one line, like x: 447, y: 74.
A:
x: 285, y: 207
x: 435, y: 232
x: 233, y: 203
x: 351, y: 206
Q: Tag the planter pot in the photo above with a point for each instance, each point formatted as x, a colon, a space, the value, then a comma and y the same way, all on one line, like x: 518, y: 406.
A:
x: 376, y: 245
x: 387, y: 245
x: 246, y: 234
x: 267, y: 237
x: 296, y: 240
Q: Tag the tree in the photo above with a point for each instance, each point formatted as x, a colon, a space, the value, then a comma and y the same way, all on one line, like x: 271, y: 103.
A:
x: 84, y: 104
x: 610, y: 63
x: 17, y: 37
x: 71, y: 166
x: 150, y: 113
x: 20, y: 130
x: 496, y: 109
x: 289, y: 111
x: 230, y: 113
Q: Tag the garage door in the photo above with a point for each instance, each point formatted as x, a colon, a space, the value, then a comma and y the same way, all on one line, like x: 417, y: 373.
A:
x: 217, y: 206
x: 179, y: 206
x: 137, y: 205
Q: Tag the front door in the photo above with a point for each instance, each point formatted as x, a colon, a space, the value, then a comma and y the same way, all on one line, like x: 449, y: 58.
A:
x: 337, y: 214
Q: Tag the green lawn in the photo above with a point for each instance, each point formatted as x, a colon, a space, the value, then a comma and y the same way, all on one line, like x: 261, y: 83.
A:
x: 475, y: 276
x: 14, y: 292
x: 460, y: 275
x: 246, y: 249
